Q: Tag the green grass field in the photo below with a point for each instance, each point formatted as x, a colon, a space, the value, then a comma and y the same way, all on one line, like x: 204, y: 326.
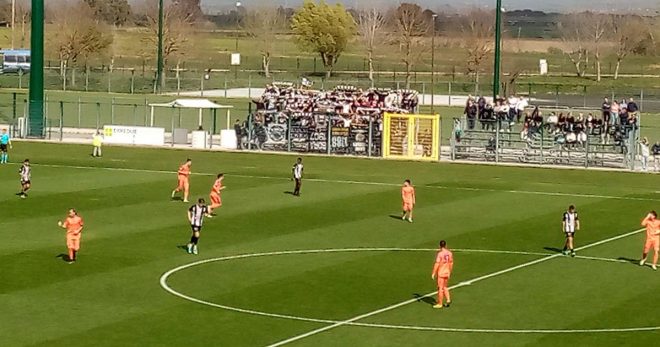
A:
x: 113, y: 297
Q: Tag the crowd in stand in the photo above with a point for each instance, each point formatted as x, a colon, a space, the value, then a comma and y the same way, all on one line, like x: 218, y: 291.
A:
x: 613, y: 125
x: 347, y: 101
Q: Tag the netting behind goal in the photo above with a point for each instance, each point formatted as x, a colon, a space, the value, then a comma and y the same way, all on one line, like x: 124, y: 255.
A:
x: 411, y: 136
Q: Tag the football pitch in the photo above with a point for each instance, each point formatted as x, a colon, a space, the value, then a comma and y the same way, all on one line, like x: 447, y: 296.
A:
x: 334, y: 267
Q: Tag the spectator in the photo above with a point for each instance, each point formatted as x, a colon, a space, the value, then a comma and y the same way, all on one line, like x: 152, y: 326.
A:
x: 520, y: 107
x: 614, y: 113
x: 632, y: 107
x: 656, y: 155
x: 471, y: 113
x: 239, y: 134
x: 645, y: 153
x: 607, y: 109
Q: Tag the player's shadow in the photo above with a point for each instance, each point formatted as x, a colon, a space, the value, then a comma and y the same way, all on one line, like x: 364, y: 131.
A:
x: 553, y: 249
x: 394, y: 216
x: 177, y: 198
x: 288, y: 193
x: 64, y: 257
x: 183, y: 247
x: 424, y: 299
x: 632, y: 261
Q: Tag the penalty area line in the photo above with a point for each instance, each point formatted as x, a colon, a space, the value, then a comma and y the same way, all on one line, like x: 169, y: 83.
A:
x: 352, y: 320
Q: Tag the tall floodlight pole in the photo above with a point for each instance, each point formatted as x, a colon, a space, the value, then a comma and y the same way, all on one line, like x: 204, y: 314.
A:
x: 35, y: 123
x: 498, y: 48
x: 434, y: 16
x: 159, y: 68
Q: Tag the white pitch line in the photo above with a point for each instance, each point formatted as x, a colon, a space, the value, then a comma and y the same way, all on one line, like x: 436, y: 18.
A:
x: 529, y: 192
x: 462, y: 284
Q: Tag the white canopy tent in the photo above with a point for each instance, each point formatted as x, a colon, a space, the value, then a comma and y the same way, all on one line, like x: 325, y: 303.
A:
x: 200, y: 104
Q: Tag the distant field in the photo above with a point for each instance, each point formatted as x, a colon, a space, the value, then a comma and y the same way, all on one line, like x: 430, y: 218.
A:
x: 337, y: 265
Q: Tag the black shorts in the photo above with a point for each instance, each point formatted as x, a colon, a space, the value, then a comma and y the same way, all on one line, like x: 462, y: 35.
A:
x: 25, y: 182
x: 570, y: 234
x: 3, y: 148
x: 196, y: 228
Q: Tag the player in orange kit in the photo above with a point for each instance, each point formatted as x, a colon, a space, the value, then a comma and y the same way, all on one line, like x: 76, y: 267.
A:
x: 408, y: 196
x: 216, y: 200
x: 652, y: 225
x: 73, y: 225
x: 444, y: 263
x: 183, y: 176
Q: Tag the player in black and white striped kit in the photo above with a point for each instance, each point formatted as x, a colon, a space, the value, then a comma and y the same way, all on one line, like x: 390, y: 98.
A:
x: 297, y: 176
x: 570, y: 224
x: 26, y: 174
x: 196, y: 214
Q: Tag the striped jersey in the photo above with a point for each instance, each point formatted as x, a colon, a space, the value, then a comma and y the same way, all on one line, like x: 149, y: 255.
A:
x: 570, y: 221
x: 25, y: 172
x: 297, y: 170
x: 197, y: 213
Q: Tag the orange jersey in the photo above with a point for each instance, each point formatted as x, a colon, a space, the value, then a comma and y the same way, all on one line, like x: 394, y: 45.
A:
x: 444, y: 263
x: 408, y: 194
x: 652, y: 228
x: 217, y: 187
x: 73, y: 225
x: 184, y: 171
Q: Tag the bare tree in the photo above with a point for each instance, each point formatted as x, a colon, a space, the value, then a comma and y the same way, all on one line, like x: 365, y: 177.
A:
x: 24, y: 16
x: 411, y: 25
x: 574, y: 35
x: 628, y: 33
x: 264, y: 24
x: 77, y: 35
x: 598, y: 27
x: 477, y: 33
x: 370, y: 24
x: 178, y: 22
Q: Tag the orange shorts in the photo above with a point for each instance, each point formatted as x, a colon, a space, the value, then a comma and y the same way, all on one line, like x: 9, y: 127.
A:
x: 442, y: 282
x: 215, y: 199
x: 183, y: 183
x: 407, y: 206
x: 73, y: 242
x: 652, y: 243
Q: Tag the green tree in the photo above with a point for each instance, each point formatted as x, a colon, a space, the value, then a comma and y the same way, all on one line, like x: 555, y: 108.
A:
x: 113, y: 12
x: 323, y: 29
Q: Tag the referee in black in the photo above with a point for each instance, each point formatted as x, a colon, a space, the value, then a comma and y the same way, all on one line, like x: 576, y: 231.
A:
x: 297, y: 171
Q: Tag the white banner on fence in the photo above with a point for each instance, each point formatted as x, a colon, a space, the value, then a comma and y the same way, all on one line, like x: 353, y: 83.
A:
x: 124, y: 135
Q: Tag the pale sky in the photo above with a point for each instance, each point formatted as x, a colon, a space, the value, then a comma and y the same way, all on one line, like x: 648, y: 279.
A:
x: 646, y: 6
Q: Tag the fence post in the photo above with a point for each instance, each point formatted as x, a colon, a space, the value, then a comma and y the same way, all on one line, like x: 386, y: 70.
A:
x: 371, y: 135
x: 586, y: 152
x: 329, y: 134
x: 542, y: 144
x: 112, y: 111
x: 61, y: 121
x: 132, y: 81
x: 134, y: 114
x: 79, y: 112
x: 87, y: 78
x: 13, y: 108
x: 249, y: 118
x: 449, y: 92
x: 109, y: 81
x: 98, y: 115
x: 201, y: 87
x: 225, y: 86
x: 20, y: 78
x: 146, y: 110
x: 584, y: 96
x: 497, y: 140
x: 641, y: 101
x: 288, y: 133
